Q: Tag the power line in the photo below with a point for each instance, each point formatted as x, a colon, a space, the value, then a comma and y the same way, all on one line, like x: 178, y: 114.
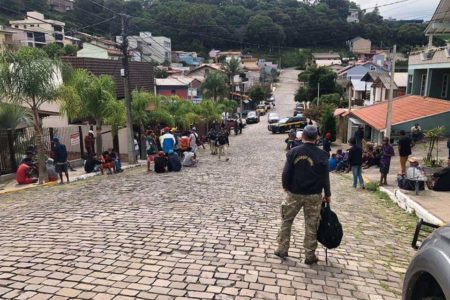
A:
x: 383, y: 5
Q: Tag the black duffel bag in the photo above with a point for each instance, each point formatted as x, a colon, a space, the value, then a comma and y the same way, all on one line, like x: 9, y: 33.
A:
x: 330, y: 231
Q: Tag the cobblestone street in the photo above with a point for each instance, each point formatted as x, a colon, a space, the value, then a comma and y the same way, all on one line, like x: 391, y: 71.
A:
x: 204, y: 233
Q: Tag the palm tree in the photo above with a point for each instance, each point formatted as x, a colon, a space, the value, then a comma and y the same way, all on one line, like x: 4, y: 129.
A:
x: 209, y: 111
x: 232, y: 68
x: 13, y: 115
x: 139, y: 104
x: 215, y: 85
x: 88, y: 96
x: 116, y: 117
x: 28, y: 78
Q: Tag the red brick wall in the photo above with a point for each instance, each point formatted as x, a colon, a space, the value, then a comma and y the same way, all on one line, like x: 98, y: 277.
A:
x: 180, y: 92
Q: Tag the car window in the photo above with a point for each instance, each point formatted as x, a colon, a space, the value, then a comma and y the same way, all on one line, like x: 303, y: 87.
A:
x: 251, y: 114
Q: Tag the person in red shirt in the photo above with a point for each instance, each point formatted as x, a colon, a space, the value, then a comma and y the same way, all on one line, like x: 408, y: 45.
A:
x: 23, y: 174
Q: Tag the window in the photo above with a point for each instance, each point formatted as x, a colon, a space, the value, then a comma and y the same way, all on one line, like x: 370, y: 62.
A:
x: 174, y: 92
x: 423, y: 83
x: 29, y: 35
x: 444, y: 91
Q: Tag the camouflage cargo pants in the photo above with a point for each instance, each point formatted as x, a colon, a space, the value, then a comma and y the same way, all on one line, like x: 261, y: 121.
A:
x: 289, y: 209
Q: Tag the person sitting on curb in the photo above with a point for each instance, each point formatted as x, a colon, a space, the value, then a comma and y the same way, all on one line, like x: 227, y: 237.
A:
x: 51, y: 171
x: 92, y: 164
x: 189, y: 158
x: 116, y: 159
x: 24, y: 174
x: 107, y: 163
x: 414, y: 173
x: 441, y: 180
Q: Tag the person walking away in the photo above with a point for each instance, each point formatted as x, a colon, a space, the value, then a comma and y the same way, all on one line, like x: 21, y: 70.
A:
x: 416, y: 133
x: 240, y: 125
x: 189, y: 158
x: 89, y: 142
x: 355, y: 160
x: 236, y: 127
x: 222, y: 140
x: 151, y: 148
x: 51, y: 171
x: 305, y: 177
x: 359, y: 135
x: 212, y: 137
x: 167, y: 141
x: 387, y: 151
x: 404, y: 150
x: 60, y: 158
x: 327, y: 143
x: 160, y: 162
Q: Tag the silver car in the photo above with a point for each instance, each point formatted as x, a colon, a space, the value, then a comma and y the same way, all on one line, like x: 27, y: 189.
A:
x: 428, y: 274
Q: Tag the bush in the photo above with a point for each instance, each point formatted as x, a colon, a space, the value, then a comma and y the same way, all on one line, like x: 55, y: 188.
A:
x: 328, y: 121
x: 302, y: 94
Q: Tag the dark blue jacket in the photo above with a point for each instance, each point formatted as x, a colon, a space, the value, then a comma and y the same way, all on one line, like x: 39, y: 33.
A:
x: 60, y: 153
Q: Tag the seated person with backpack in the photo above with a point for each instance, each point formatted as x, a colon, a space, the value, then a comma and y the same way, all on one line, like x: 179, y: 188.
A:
x: 160, y: 162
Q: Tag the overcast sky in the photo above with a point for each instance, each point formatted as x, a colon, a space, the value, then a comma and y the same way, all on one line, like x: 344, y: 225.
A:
x: 411, y: 9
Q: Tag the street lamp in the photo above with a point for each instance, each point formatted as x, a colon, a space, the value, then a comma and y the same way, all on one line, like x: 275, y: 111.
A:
x: 241, y: 89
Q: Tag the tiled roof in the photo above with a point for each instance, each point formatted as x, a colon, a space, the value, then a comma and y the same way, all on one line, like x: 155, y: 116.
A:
x: 174, y: 81
x: 404, y: 109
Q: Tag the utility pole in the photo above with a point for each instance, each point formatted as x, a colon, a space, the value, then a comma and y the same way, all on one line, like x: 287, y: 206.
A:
x: 391, y: 96
x: 349, y: 125
x: 318, y: 93
x: 126, y: 86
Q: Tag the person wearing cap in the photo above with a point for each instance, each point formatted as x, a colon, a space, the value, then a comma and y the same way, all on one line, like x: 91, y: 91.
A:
x: 89, y: 142
x: 305, y: 177
x: 60, y: 159
x: 414, y: 171
x: 167, y: 141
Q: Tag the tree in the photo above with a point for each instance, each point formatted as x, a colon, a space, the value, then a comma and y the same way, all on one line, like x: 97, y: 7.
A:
x: 302, y: 94
x: 161, y: 73
x: 258, y: 93
x: 70, y: 50
x: 86, y: 96
x: 262, y: 30
x: 215, y: 85
x: 209, y: 111
x: 328, y: 121
x: 13, y: 115
x: 53, y: 50
x: 139, y: 104
x: 232, y: 67
x: 116, y: 117
x: 27, y: 77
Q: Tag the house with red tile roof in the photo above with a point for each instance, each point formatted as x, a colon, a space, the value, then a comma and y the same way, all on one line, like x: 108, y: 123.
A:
x: 406, y: 111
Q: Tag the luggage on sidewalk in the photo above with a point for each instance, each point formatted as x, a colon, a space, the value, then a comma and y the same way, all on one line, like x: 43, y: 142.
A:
x: 330, y: 231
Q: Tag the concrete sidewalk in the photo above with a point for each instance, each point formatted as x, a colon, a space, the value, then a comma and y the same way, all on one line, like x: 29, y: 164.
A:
x: 433, y: 207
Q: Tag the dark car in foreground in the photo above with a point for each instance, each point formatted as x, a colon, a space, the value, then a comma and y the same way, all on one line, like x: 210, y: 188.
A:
x: 252, y: 117
x: 428, y: 274
x: 288, y: 124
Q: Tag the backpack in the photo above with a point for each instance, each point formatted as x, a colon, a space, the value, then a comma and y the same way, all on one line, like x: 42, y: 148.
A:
x: 222, y: 139
x: 330, y: 231
x: 184, y: 142
x: 174, y: 163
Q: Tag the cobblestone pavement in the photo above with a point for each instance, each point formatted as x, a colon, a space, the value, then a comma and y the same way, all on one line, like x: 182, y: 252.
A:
x: 205, y: 233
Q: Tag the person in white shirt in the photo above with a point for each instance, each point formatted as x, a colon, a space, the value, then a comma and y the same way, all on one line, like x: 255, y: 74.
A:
x: 193, y: 140
x: 189, y: 159
x: 414, y: 171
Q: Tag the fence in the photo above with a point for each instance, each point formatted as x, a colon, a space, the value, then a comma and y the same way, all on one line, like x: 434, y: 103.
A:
x: 15, y: 143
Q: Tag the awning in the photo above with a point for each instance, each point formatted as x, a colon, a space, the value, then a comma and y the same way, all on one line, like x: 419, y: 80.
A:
x: 356, y: 121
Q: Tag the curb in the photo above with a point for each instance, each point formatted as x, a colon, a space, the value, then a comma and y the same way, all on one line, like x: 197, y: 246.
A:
x: 75, y: 179
x: 409, y: 205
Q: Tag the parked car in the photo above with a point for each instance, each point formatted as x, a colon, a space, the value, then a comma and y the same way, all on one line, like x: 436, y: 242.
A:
x: 271, y: 119
x: 261, y: 109
x: 252, y: 117
x: 291, y: 123
x: 428, y: 274
x: 244, y: 113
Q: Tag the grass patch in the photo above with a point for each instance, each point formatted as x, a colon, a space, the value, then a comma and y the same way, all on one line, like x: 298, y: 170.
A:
x: 371, y: 186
